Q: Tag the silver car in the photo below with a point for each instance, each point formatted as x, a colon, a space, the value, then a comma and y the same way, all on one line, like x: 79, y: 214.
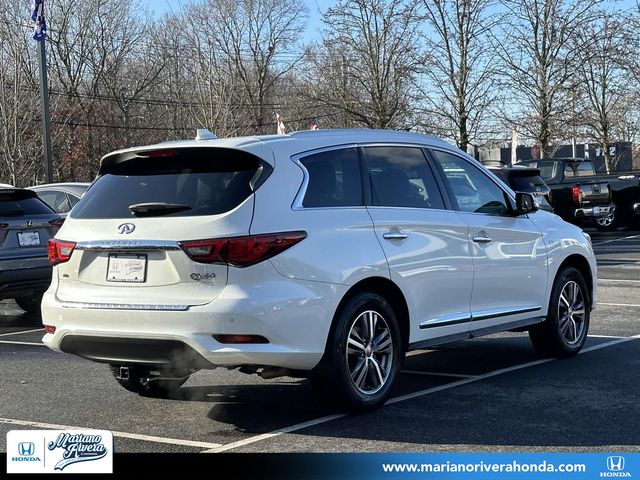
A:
x: 26, y: 224
x: 61, y: 196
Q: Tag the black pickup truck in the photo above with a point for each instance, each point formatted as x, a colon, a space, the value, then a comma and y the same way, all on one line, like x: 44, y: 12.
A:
x: 566, y: 175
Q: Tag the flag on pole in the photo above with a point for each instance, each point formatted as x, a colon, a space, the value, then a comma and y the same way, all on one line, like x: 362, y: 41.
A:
x: 313, y: 126
x: 515, y: 139
x: 37, y: 15
x: 280, y: 122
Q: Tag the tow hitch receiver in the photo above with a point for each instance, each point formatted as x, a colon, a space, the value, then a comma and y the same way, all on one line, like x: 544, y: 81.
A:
x: 122, y: 373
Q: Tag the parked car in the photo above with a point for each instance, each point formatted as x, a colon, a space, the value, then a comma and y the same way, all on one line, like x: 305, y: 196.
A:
x: 26, y: 225
x: 576, y: 197
x: 323, y: 254
x: 624, y: 186
x: 61, y: 196
x: 524, y: 179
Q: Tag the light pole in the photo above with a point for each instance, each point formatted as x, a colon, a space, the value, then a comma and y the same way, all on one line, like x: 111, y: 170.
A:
x: 40, y: 34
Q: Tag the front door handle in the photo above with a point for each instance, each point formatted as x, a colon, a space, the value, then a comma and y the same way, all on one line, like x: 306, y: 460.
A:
x: 482, y: 239
x: 394, y: 235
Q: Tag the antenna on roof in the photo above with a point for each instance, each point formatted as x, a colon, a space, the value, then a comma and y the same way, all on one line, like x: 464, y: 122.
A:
x: 204, y: 134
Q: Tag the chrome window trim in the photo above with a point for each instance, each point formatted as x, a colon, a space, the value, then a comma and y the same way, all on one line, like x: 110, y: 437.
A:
x: 296, y: 159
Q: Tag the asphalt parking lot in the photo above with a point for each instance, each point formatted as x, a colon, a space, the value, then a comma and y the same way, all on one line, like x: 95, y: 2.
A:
x: 487, y: 394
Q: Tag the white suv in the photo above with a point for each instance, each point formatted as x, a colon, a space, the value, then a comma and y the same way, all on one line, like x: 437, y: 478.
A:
x: 326, y: 254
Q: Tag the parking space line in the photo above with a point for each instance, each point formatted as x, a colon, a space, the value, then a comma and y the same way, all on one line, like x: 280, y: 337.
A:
x: 605, y: 336
x: 410, y: 396
x: 15, y: 342
x: 615, y: 240
x: 23, y: 331
x: 619, y: 304
x: 437, y: 374
x: 132, y: 436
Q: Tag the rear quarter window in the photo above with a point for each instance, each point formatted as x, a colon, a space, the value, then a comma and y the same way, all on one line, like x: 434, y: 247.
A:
x: 207, y: 183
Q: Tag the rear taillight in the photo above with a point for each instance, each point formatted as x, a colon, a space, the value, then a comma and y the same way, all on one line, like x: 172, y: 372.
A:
x: 49, y: 329
x: 241, y: 251
x: 58, y: 222
x: 576, y: 194
x: 59, y: 251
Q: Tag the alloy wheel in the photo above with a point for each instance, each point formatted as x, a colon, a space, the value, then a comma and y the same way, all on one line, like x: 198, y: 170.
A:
x: 369, y: 352
x: 571, y: 313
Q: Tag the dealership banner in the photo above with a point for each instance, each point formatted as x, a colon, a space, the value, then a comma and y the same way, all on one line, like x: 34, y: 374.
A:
x: 347, y: 466
x: 59, y: 451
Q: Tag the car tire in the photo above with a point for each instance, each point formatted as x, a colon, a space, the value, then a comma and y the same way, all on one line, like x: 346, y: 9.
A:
x: 142, y: 382
x: 359, y: 369
x: 30, y: 304
x: 565, y: 329
x: 607, y: 223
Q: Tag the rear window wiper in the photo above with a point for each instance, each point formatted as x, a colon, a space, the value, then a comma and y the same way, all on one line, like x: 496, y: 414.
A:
x: 157, y: 208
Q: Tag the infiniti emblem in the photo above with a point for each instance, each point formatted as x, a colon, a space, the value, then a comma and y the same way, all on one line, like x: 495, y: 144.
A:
x: 126, y: 228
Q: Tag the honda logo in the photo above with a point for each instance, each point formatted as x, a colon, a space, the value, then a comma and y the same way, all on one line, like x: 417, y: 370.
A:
x: 615, y: 464
x: 26, y: 449
x: 126, y: 228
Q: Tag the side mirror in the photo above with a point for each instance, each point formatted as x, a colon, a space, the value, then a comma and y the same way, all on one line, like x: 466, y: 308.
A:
x: 525, y: 203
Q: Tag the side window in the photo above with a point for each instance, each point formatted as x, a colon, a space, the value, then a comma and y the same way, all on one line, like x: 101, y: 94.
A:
x: 72, y: 199
x: 472, y: 189
x: 334, y: 179
x: 401, y: 177
x: 56, y: 200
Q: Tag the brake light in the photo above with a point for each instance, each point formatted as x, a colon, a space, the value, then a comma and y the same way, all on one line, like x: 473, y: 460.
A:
x: 57, y: 222
x: 59, y: 252
x: 241, y: 251
x: 576, y: 193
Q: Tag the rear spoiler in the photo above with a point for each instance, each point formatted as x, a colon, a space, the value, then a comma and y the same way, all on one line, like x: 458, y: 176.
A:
x: 16, y: 193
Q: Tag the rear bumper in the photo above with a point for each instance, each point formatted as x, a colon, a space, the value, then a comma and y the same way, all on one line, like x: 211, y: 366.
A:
x: 599, y: 211
x: 24, y: 282
x: 294, y: 316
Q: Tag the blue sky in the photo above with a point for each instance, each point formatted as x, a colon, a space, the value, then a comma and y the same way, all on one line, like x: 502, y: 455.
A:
x: 317, y: 6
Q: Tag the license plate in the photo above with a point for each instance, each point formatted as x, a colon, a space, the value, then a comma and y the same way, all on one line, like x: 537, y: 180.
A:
x: 127, y: 268
x: 596, y: 210
x: 27, y: 239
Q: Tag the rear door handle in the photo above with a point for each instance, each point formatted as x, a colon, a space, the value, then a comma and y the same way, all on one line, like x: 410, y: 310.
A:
x: 481, y: 239
x: 394, y: 235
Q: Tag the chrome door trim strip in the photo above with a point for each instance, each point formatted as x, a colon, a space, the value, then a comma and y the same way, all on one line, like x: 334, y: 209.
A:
x: 503, y: 312
x: 446, y: 320
x: 456, y: 318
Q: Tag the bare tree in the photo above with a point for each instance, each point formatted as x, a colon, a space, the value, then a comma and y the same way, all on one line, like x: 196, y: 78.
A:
x: 459, y: 68
x: 604, y: 79
x: 539, y: 54
x: 258, y: 39
x: 21, y: 156
x: 366, y: 64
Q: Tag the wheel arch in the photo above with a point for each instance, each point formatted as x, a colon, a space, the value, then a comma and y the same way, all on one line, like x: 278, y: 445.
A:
x: 581, y: 264
x: 387, y: 290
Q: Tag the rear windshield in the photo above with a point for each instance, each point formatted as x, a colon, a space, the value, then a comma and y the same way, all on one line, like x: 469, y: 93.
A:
x: 17, y: 205
x: 526, y: 184
x: 202, y: 186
